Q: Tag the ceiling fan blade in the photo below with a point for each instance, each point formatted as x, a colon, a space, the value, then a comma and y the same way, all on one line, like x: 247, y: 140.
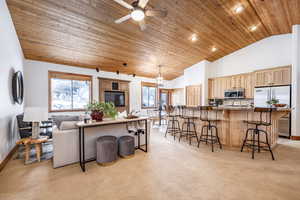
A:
x: 142, y: 25
x: 122, y: 19
x: 143, y: 3
x: 158, y: 13
x: 123, y: 3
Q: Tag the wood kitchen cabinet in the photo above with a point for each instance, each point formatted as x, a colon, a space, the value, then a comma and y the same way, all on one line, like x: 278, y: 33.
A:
x: 217, y: 86
x: 193, y: 95
x: 281, y: 76
x: 273, y: 77
x: 249, y: 85
x: 268, y: 77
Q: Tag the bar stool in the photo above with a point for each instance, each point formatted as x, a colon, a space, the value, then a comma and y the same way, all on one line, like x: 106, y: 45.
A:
x: 188, y: 128
x: 173, y: 126
x: 265, y: 117
x: 210, y: 124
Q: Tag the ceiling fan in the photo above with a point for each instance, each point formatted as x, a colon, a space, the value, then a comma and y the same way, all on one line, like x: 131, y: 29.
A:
x: 139, y: 12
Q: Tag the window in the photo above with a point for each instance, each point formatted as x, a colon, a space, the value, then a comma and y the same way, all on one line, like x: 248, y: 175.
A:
x: 149, y: 95
x: 164, y: 97
x: 69, y: 92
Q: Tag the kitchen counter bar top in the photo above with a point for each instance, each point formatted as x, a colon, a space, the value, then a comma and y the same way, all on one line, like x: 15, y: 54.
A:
x: 243, y: 108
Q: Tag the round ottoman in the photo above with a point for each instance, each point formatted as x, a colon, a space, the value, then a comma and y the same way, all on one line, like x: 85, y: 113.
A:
x: 107, y: 149
x: 126, y: 146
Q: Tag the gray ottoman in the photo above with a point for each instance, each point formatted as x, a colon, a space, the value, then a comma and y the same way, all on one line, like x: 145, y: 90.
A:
x: 107, y: 149
x: 126, y: 146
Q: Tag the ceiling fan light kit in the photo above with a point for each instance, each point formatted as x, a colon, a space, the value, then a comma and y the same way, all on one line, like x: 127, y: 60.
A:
x: 137, y: 15
x: 139, y: 12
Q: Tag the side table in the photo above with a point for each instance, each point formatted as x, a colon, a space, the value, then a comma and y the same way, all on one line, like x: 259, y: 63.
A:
x: 38, y: 146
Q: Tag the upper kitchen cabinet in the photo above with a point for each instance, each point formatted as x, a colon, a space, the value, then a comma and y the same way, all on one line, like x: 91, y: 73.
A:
x: 281, y: 76
x: 249, y: 85
x: 273, y: 77
x: 193, y: 95
x: 218, y: 86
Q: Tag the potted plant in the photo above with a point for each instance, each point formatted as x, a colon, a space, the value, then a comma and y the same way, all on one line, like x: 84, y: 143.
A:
x: 110, y: 110
x: 273, y: 101
x: 99, y: 110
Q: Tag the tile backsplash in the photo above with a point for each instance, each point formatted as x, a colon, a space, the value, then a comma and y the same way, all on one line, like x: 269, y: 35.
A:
x: 237, y: 102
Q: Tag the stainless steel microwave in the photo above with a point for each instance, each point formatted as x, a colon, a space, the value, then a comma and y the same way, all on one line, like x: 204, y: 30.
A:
x: 234, y: 94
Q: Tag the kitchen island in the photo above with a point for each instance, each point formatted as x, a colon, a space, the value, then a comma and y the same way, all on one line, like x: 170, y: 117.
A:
x: 232, y: 129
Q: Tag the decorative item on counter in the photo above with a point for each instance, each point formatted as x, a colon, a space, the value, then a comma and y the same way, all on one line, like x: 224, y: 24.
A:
x: 99, y: 110
x: 131, y: 115
x: 87, y: 117
x: 280, y: 105
x: 122, y: 114
x: 272, y: 102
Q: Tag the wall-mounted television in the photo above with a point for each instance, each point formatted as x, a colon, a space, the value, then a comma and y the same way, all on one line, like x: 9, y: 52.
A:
x: 116, y: 97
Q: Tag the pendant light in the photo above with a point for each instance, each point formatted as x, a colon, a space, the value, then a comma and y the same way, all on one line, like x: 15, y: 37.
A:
x: 159, y: 79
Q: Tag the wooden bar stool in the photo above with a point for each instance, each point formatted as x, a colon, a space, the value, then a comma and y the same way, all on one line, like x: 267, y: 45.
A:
x: 206, y: 116
x: 173, y: 126
x: 255, y: 143
x: 188, y: 129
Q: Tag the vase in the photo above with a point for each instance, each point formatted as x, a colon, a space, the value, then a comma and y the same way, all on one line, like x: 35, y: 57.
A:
x: 97, y: 116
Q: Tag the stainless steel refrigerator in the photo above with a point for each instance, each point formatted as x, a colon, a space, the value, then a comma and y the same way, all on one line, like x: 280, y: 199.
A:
x: 281, y: 93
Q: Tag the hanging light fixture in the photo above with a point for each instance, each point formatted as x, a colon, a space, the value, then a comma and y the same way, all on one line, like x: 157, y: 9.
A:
x: 160, y: 79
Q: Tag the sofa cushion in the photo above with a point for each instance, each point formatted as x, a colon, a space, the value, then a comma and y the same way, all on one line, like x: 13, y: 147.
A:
x: 68, y: 125
x: 58, y: 119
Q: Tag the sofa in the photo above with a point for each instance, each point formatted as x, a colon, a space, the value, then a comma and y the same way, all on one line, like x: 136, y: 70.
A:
x: 66, y: 141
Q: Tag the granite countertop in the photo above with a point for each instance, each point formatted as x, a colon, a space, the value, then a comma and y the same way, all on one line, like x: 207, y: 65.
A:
x: 247, y: 108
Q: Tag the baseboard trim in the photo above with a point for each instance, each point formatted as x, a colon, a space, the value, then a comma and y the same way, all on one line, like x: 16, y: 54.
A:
x: 295, y: 137
x: 8, y: 157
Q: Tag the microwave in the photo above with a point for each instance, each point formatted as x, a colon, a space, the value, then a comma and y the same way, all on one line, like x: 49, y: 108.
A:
x: 234, y: 94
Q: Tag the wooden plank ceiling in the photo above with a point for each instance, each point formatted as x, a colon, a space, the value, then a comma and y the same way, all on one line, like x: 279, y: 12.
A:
x: 83, y: 33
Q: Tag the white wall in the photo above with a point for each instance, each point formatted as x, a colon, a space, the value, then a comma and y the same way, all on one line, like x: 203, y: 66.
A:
x: 296, y: 81
x: 11, y: 58
x: 177, y: 83
x: 270, y: 52
x: 36, y: 82
x: 194, y: 75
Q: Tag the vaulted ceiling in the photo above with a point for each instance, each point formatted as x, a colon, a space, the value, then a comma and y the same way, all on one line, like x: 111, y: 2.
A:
x: 83, y: 33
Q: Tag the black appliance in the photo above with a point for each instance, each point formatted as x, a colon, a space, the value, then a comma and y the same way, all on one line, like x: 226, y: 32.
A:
x: 116, y: 97
x: 115, y: 86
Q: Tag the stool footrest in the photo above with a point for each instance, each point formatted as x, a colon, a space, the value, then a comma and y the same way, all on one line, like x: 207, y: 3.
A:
x: 255, y: 143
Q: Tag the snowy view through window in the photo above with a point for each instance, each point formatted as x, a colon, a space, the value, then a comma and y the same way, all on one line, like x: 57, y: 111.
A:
x: 149, y: 96
x: 69, y: 94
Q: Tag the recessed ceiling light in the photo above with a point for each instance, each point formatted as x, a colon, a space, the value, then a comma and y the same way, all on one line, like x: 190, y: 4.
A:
x: 214, y: 49
x: 238, y: 9
x: 253, y: 28
x: 194, y: 38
